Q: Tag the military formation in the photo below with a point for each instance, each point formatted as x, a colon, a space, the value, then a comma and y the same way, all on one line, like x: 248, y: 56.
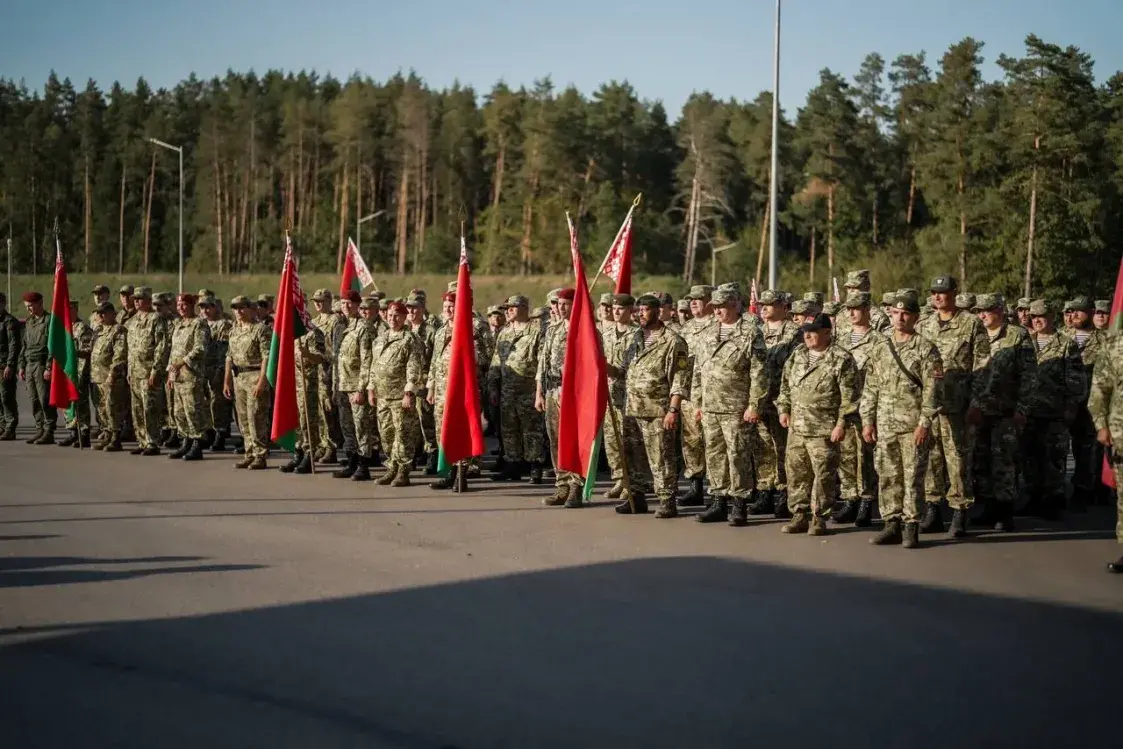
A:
x: 910, y: 407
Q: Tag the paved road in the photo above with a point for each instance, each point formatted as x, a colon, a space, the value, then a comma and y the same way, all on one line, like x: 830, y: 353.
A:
x: 150, y: 603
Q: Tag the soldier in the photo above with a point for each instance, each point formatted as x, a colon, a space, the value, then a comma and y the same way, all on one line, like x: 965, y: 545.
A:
x: 265, y: 309
x: 331, y: 437
x: 780, y: 339
x: 1022, y: 310
x: 149, y: 342
x: 1101, y: 317
x: 187, y: 374
x: 353, y: 372
x: 100, y: 294
x: 622, y: 439
x: 817, y: 396
x: 667, y: 310
x: 1059, y: 391
x: 1005, y: 404
x: 10, y: 345
x: 802, y: 311
x: 899, y: 401
x: 859, y: 280
x: 965, y: 302
x: 349, y: 311
x: 425, y: 328
x: 831, y: 310
x: 128, y: 304
x: 656, y: 371
x: 394, y: 379
x: 693, y: 444
x: 964, y: 349
x: 684, y: 315
x: 169, y: 437
x: 1090, y: 342
x: 218, y: 406
x: 35, y: 368
x: 728, y: 390
x: 856, y: 473
x: 312, y: 349
x: 1105, y: 402
x: 568, y: 486
x: 245, y: 383
x: 604, y: 312
x: 79, y: 424
x: 109, y: 359
x: 495, y: 320
x: 511, y: 383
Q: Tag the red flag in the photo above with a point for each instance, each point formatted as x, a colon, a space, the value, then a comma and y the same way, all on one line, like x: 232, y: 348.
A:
x: 60, y: 341
x: 1115, y: 325
x: 290, y: 323
x: 584, y: 388
x: 462, y: 434
x: 754, y: 300
x: 356, y: 274
x: 617, y: 263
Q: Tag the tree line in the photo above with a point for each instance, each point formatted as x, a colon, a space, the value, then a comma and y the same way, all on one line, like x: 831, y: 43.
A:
x: 912, y: 167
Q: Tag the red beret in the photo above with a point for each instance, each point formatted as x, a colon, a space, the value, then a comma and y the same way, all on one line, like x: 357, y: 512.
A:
x: 188, y: 298
x: 353, y: 297
x: 567, y: 294
x: 449, y: 296
x: 32, y: 296
x: 396, y: 306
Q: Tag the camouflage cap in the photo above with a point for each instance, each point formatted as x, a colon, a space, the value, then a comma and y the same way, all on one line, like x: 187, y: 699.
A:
x: 804, y: 307
x: 518, y: 300
x: 623, y: 300
x: 337, y: 306
x: 987, y: 302
x: 540, y: 312
x: 105, y: 308
x: 907, y: 303
x: 771, y: 297
x: 683, y: 305
x: 378, y: 304
x: 721, y: 297
x: 787, y: 296
x: 856, y: 299
x: 451, y: 287
x: 1039, y: 308
x: 832, y: 308
x: 943, y: 285
x: 321, y: 295
x: 815, y: 297
x: 100, y: 289
x: 858, y: 279
x: 700, y: 292
x: 368, y: 303
x: 494, y: 309
x: 264, y: 298
x: 552, y: 296
x: 140, y: 292
x: 420, y: 293
x: 733, y: 286
x: 240, y: 302
x: 649, y: 300
x: 817, y: 322
x: 205, y: 292
x: 888, y: 298
x: 1103, y: 306
x: 378, y: 296
x: 414, y: 300
x: 1082, y: 303
x: 206, y: 301
x: 606, y: 300
x: 965, y: 301
x: 1023, y: 303
x: 126, y: 290
x: 908, y: 292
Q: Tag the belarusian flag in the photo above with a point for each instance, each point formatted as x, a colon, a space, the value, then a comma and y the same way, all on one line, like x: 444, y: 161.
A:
x: 617, y: 263
x: 1114, y: 325
x: 290, y: 323
x: 462, y: 434
x: 584, y: 387
x: 356, y: 274
x: 60, y: 342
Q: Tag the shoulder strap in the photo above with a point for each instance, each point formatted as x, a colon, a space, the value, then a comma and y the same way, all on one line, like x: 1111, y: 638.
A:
x: 897, y: 358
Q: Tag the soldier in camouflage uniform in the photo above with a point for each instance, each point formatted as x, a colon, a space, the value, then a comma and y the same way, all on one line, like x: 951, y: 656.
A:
x: 1105, y: 402
x: 35, y: 368
x: 817, y: 396
x: 394, y: 378
x: 128, y: 304
x: 100, y: 294
x: 349, y: 311
x: 219, y: 407
x: 109, y: 360
x: 353, y: 372
x: 10, y: 344
x: 511, y: 383
x: 312, y: 350
x: 567, y: 486
x: 1086, y: 469
x: 728, y: 390
x: 169, y: 436
x: 964, y: 350
x: 79, y: 424
x: 859, y: 281
x: 623, y: 442
x: 1005, y: 403
x: 693, y: 444
x: 149, y: 343
x: 656, y: 372
x: 245, y: 383
x: 899, y: 402
x: 1058, y: 392
x: 187, y: 374
x: 1101, y: 316
x: 1022, y: 310
x: 425, y: 328
x: 856, y: 474
x: 604, y: 313
x: 331, y: 436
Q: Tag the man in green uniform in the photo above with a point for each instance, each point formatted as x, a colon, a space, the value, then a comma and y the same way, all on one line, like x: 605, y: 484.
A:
x: 622, y: 439
x: 149, y: 343
x: 693, y: 444
x: 424, y: 327
x: 35, y: 368
x: 312, y: 350
x: 1086, y: 469
x: 11, y: 337
x: 100, y: 294
x: 128, y: 304
x: 219, y: 407
x: 353, y: 372
x: 245, y: 383
x: 187, y: 374
x: 547, y: 398
x: 78, y: 425
x: 109, y: 359
x: 511, y: 383
x: 1105, y: 402
x: 394, y: 378
x: 331, y: 436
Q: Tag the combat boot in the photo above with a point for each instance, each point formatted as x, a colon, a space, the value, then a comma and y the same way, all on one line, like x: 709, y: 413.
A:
x: 561, y: 493
x: 818, y: 527
x: 431, y: 464
x: 138, y: 450
x: 738, y: 516
x: 150, y: 451
x: 865, y: 514
x: 174, y: 441
x: 1116, y: 567
x: 762, y: 504
x: 890, y: 534
x: 717, y: 512
x: 509, y: 472
x: 83, y: 438
x: 616, y: 491
x: 209, y: 436
x: 447, y: 482
x: 35, y: 437
x: 1005, y: 522
x: 348, y: 470
x: 164, y: 437
x: 696, y: 496
x: 402, y: 477
x: 911, y: 538
x: 536, y: 473
x: 798, y: 524
x: 219, y: 445
x: 304, y: 467
x: 362, y: 469
x: 575, y: 499
x: 500, y: 464
x: 990, y: 514
x: 668, y: 509
x: 375, y: 459
x: 640, y: 502
x: 71, y: 438
x: 114, y: 444
x: 292, y: 464
x: 846, y: 512
x: 329, y: 456
x: 244, y: 462
x: 195, y: 450
x: 387, y: 477
x: 780, y: 509
x: 183, y: 450
x: 9, y: 435
x: 473, y: 470
x: 933, y: 520
x: 958, y: 527
x: 258, y: 464
x: 103, y: 439
x: 48, y: 438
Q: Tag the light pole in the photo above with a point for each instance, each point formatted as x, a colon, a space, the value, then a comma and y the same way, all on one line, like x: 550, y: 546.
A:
x: 359, y: 228
x: 178, y: 150
x: 773, y: 190
x: 713, y: 261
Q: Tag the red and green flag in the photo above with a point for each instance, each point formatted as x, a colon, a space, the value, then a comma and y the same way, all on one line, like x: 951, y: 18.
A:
x: 1115, y: 326
x: 356, y: 274
x: 617, y: 263
x: 462, y: 434
x: 60, y: 342
x: 584, y: 387
x: 290, y: 323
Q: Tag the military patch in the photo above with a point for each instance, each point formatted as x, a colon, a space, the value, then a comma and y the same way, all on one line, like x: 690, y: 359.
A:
x: 682, y: 362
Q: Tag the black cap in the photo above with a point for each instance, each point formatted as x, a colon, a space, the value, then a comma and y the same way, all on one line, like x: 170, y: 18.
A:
x: 944, y: 285
x: 105, y: 307
x: 819, y: 322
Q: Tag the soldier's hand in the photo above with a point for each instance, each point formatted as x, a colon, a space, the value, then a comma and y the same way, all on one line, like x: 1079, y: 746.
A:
x: 407, y: 402
x: 869, y: 434
x: 7, y: 373
x: 539, y: 403
x: 670, y: 420
x: 974, y: 417
x: 920, y: 436
x: 1103, y: 436
x: 751, y: 416
x: 22, y: 376
x: 837, y: 434
x: 698, y: 415
x: 372, y: 398
x: 359, y: 398
x: 47, y: 374
x: 259, y: 388
x: 785, y: 421
x: 431, y: 398
x: 152, y: 382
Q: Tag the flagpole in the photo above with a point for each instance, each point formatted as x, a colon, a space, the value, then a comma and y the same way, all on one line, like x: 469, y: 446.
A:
x: 9, y: 263
x: 77, y: 385
x: 773, y: 189
x: 635, y: 204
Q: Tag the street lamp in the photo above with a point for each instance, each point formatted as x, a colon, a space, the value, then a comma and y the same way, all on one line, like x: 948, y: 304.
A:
x: 713, y: 261
x: 359, y: 228
x: 773, y: 190
x: 179, y: 150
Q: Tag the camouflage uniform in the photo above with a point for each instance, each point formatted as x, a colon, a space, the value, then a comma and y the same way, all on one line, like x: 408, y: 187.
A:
x: 10, y: 357
x: 149, y: 343
x: 512, y: 377
x: 247, y: 349
x: 313, y: 351
x: 693, y: 442
x: 616, y: 343
x: 344, y: 416
x: 817, y: 398
x: 396, y: 368
x: 220, y: 408
x: 1059, y: 389
x: 859, y: 280
x: 1105, y: 403
x: 894, y: 404
x: 353, y: 371
x: 331, y: 434
x: 109, y: 359
x: 84, y: 343
x: 1085, y: 473
x: 772, y: 439
x: 426, y: 333
x: 191, y: 338
x: 857, y: 476
x: 35, y: 359
x: 437, y: 382
x: 551, y: 358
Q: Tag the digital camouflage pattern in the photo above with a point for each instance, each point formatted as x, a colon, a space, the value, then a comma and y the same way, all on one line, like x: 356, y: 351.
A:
x: 1105, y: 404
x: 191, y: 338
x: 1058, y: 393
x: 352, y: 376
x: 550, y: 362
x: 622, y: 439
x: 109, y: 358
x: 770, y: 439
x: 149, y: 344
x: 34, y: 362
x: 1010, y: 376
x: 247, y: 350
x: 397, y: 368
x: 512, y: 379
x: 312, y: 347
x: 10, y: 345
x: 693, y: 442
x: 84, y: 343
x: 220, y: 408
x: 857, y: 476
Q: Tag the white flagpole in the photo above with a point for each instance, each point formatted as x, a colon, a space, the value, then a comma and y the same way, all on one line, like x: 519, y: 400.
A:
x: 773, y: 189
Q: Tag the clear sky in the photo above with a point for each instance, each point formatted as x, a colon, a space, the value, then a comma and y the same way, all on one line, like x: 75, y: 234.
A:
x: 665, y: 49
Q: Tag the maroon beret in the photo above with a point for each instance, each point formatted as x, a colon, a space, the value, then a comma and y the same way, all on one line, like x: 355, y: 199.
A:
x: 32, y: 296
x: 567, y: 294
x: 396, y: 306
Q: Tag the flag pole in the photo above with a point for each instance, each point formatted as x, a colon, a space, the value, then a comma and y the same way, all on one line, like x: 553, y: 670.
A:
x: 58, y: 259
x: 623, y: 455
x: 773, y: 176
x: 298, y: 352
x: 635, y: 204
x: 9, y: 262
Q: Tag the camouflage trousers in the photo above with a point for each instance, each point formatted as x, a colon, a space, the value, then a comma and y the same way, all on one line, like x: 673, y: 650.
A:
x: 253, y: 413
x: 729, y: 463
x: 39, y: 393
x: 308, y: 392
x: 857, y: 477
x: 1045, y: 444
x: 220, y: 408
x: 113, y: 405
x: 812, y: 467
x: 1117, y: 469
x: 996, y: 451
x: 192, y: 411
x: 95, y: 405
x: 400, y: 430
x: 949, y: 466
x: 345, y: 418
x: 1085, y: 472
x: 693, y: 443
x: 9, y: 409
x: 626, y: 446
x: 427, y: 438
x: 438, y: 420
x: 331, y: 436
x: 562, y: 478
x: 521, y: 425
x: 770, y: 442
x: 148, y: 409
x: 363, y: 418
x: 901, y: 468
x: 81, y: 418
x: 613, y: 440
x: 169, y: 407
x: 659, y: 449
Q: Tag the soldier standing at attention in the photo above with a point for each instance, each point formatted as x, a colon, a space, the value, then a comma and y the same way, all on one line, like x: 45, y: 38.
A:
x: 10, y: 340
x: 568, y: 486
x: 622, y: 440
x: 35, y: 368
x: 109, y: 358
x: 728, y: 391
x: 1105, y: 402
x: 349, y: 312
x: 898, y: 404
x: 693, y: 445
x: 859, y: 281
x: 656, y: 372
x: 1022, y: 310
x: 394, y: 377
x: 331, y: 437
x: 265, y: 310
x: 100, y: 294
x: 312, y: 349
x: 353, y: 364
x: 1101, y: 318
x: 128, y: 305
x: 1090, y: 342
x: 817, y: 396
x: 604, y: 313
x: 425, y: 328
x: 964, y: 350
x: 218, y: 406
x: 79, y: 425
x: 149, y: 345
x: 187, y: 374
x: 245, y: 383
x: 511, y: 383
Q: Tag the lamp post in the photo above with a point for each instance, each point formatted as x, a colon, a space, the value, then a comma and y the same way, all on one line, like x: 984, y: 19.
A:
x: 773, y: 190
x: 178, y: 150
x: 359, y: 228
x: 713, y: 261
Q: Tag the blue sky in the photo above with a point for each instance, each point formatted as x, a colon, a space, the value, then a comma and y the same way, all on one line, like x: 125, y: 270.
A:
x: 665, y: 49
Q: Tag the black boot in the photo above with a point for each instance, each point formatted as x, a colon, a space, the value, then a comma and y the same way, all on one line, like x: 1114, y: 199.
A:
x: 219, y: 445
x: 329, y: 456
x: 762, y: 504
x: 348, y: 470
x: 71, y: 438
x: 431, y: 464
x: 9, y: 435
x: 780, y: 509
x: 447, y: 482
x: 510, y: 472
x: 847, y: 512
x: 35, y: 437
x: 890, y: 534
x: 718, y: 512
x: 990, y: 515
x: 292, y: 464
x: 695, y: 497
x: 1116, y: 567
x: 195, y: 451
x: 640, y: 501
x: 911, y: 539
x: 209, y: 436
x: 1005, y: 522
x: 500, y: 464
x: 174, y: 442
x: 183, y: 450
x: 958, y: 524
x: 362, y: 469
x: 933, y: 520
x: 164, y: 437
x: 865, y: 514
x: 536, y: 473
x: 739, y: 512
x: 305, y: 466
x: 375, y: 459
x: 83, y: 438
x: 114, y: 444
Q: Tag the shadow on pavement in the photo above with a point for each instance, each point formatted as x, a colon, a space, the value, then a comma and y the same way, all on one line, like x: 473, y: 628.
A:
x: 34, y: 537
x: 9, y: 564
x: 29, y: 578
x: 680, y: 652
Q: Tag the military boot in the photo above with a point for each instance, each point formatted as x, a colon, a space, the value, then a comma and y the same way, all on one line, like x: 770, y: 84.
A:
x: 348, y: 470
x: 762, y: 503
x: 845, y: 512
x: 431, y: 464
x: 114, y: 444
x: 194, y: 451
x: 738, y: 515
x: 103, y: 439
x: 616, y: 491
x: 9, y: 435
x: 447, y: 482
x: 35, y: 437
x: 292, y: 464
x: 164, y: 437
x: 329, y: 456
x: 889, y: 534
x: 798, y: 524
x: 911, y: 538
x: 536, y: 473
x: 640, y: 502
x: 990, y: 514
x: 510, y: 472
x: 174, y: 441
x: 83, y: 438
x: 717, y: 512
x: 150, y: 451
x: 138, y: 450
x: 71, y: 438
x: 865, y: 514
x: 48, y: 437
x: 958, y: 527
x: 244, y: 462
x: 304, y: 467
x: 183, y: 449
x: 668, y: 509
x: 258, y: 464
x: 1005, y: 522
x: 219, y: 445
x: 780, y: 509
x: 557, y: 499
x: 575, y: 498
x: 696, y: 496
x: 500, y: 464
x: 402, y: 477
x: 375, y: 459
x: 818, y: 527
x: 387, y: 477
x: 362, y: 469
x: 933, y: 520
x: 208, y: 438
x: 1116, y: 567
